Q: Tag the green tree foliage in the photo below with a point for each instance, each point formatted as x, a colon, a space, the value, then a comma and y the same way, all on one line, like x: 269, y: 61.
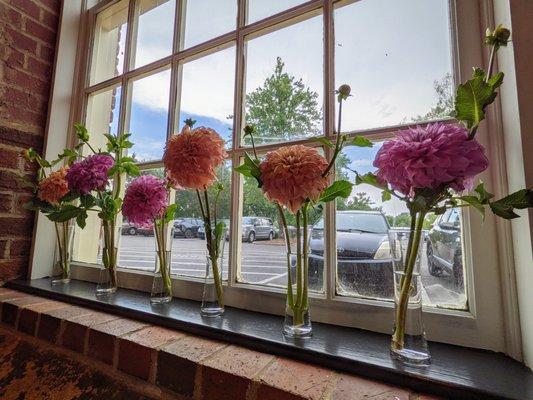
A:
x: 283, y: 108
x: 444, y: 107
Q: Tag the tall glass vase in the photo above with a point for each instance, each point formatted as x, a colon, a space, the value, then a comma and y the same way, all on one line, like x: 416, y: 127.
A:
x: 408, y: 343
x: 213, y: 295
x: 162, y: 284
x: 297, y: 323
x: 107, y: 284
x: 63, y: 252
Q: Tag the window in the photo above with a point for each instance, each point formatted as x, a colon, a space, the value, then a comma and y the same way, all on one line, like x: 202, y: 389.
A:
x: 276, y: 64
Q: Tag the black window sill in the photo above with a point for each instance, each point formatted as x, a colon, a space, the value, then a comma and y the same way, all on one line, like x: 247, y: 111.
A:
x: 455, y: 372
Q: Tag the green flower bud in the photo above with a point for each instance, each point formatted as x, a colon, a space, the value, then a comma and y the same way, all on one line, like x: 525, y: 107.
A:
x: 248, y: 130
x: 498, y: 37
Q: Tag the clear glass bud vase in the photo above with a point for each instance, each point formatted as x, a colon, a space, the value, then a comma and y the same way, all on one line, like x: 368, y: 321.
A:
x: 63, y: 252
x: 213, y: 295
x: 297, y: 323
x: 408, y: 343
x: 162, y: 283
x: 107, y: 284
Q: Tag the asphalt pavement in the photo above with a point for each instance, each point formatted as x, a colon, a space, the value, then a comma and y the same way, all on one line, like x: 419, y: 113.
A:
x: 263, y: 263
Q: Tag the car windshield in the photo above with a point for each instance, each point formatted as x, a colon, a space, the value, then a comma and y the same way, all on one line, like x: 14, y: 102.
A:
x: 248, y: 221
x: 358, y: 222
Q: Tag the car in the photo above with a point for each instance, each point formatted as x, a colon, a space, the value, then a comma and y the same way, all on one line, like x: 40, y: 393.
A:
x: 364, y: 263
x: 201, y: 230
x: 187, y: 227
x: 254, y: 228
x: 443, y: 247
x: 128, y: 228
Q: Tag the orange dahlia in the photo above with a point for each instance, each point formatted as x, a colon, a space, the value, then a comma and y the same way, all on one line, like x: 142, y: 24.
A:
x: 293, y: 174
x: 192, y: 157
x: 53, y: 187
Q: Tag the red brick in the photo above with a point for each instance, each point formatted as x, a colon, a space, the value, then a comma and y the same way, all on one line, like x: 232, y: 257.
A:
x: 180, y: 359
x: 12, y: 136
x: 11, y: 180
x: 39, y: 68
x: 3, y: 249
x: 353, y: 387
x: 19, y: 248
x: 29, y: 315
x: 9, y: 158
x: 27, y: 7
x: 12, y: 268
x: 50, y: 323
x: 10, y: 308
x: 102, y: 338
x: 7, y: 294
x: 427, y: 397
x: 137, y: 350
x: 29, y: 82
x: 21, y: 41
x: 47, y: 53
x: 49, y: 19
x: 76, y: 329
x: 37, y: 30
x: 295, y: 378
x: 10, y: 16
x: 6, y: 203
x: 16, y: 227
x: 15, y: 58
x: 53, y: 5
x: 233, y: 364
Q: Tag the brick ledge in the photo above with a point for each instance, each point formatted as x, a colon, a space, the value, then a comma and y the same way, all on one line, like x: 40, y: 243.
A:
x: 180, y: 363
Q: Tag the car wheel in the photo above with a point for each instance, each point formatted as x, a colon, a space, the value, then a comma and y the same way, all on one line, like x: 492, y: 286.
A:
x: 458, y: 279
x: 251, y: 237
x: 433, y: 269
x: 271, y: 236
x: 132, y: 231
x: 188, y: 234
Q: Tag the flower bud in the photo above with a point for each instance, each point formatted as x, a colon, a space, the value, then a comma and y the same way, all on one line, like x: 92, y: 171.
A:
x: 345, y: 90
x: 499, y: 37
x: 248, y: 130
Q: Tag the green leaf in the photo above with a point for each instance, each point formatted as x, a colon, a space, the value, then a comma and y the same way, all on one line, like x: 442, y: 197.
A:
x: 386, y: 196
x: 250, y: 169
x: 339, y: 188
x: 518, y: 200
x: 81, y: 219
x: 87, y: 201
x: 474, y: 96
x: 65, y: 213
x: 81, y: 132
x: 474, y: 202
x: 361, y: 141
x: 170, y: 213
x: 370, y: 179
x: 70, y: 196
x: 324, y: 141
x: 484, y: 196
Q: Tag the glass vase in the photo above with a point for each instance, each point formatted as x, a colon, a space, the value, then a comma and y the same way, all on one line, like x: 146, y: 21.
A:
x: 162, y: 284
x: 297, y: 323
x: 63, y: 252
x: 408, y: 344
x: 107, y: 283
x: 213, y: 294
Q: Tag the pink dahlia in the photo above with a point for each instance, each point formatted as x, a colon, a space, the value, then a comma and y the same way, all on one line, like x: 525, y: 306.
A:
x: 430, y: 157
x: 192, y: 157
x: 293, y: 174
x: 53, y: 187
x: 145, y: 200
x: 89, y: 174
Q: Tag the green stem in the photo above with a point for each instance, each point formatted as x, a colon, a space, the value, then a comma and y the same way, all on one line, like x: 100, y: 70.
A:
x: 405, y: 288
x: 290, y: 298
x: 297, y: 309
x: 305, y: 245
x: 338, y: 142
x: 159, y: 229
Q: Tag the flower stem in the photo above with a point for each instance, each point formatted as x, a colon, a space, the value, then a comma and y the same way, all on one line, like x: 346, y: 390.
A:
x: 405, y: 286
x: 338, y: 143
x: 290, y: 298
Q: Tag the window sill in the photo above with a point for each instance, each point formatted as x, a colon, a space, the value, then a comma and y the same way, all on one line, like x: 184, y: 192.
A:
x: 455, y: 372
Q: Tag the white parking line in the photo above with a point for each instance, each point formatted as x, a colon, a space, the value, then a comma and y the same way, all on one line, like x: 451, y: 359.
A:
x: 268, y: 280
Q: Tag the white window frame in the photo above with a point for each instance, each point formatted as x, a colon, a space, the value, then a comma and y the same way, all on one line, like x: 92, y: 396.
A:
x: 491, y: 321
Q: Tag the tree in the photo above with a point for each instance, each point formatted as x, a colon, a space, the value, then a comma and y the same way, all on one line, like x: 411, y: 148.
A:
x: 283, y: 108
x: 443, y: 108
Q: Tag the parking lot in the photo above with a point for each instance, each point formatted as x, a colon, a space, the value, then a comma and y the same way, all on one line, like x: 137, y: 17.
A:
x: 263, y: 262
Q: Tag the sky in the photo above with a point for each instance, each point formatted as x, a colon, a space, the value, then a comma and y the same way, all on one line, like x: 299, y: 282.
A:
x: 390, y: 52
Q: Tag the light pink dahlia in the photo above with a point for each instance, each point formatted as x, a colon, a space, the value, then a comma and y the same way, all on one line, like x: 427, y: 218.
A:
x: 293, y: 174
x: 430, y: 157
x: 89, y: 174
x: 145, y: 200
x: 192, y: 157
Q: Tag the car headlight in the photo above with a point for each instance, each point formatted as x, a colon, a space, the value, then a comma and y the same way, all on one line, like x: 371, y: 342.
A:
x: 383, y: 251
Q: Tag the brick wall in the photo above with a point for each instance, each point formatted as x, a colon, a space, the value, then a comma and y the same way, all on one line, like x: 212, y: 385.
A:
x: 27, y: 42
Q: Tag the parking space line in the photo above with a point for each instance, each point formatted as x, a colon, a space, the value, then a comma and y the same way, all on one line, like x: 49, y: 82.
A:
x: 268, y: 280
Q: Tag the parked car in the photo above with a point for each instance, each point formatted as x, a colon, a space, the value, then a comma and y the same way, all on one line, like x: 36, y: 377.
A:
x: 257, y: 228
x: 128, y: 228
x: 201, y: 230
x: 363, y: 255
x: 443, y: 246
x: 187, y: 227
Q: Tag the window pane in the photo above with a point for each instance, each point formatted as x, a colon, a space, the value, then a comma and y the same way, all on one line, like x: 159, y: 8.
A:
x: 364, y: 268
x: 263, y: 250
x: 207, y: 87
x: 207, y: 19
x: 259, y: 9
x: 155, y: 31
x: 394, y: 81
x: 109, y: 43
x: 284, y: 83
x: 189, y: 247
x: 149, y: 116
x: 137, y: 245
x: 102, y: 117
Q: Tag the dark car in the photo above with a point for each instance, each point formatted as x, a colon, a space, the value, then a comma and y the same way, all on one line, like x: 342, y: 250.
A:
x: 444, y: 247
x: 363, y: 256
x: 187, y: 227
x: 201, y: 230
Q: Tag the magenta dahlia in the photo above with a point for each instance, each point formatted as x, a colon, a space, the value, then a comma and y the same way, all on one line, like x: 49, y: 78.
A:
x: 89, y: 174
x: 430, y: 157
x: 145, y: 200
